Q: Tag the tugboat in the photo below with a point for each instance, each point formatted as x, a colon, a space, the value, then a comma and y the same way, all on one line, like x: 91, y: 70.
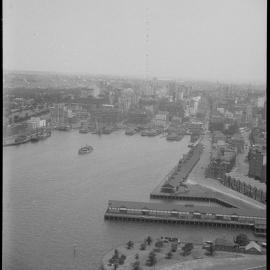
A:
x: 85, y: 150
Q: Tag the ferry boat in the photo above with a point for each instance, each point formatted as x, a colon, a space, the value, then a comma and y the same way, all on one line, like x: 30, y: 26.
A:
x: 85, y: 150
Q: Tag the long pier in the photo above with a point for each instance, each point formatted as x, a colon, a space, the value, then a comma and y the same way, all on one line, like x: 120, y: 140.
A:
x: 177, y: 176
x: 180, y: 214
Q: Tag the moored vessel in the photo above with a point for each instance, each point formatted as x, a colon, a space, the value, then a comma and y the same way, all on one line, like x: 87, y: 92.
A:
x: 85, y: 149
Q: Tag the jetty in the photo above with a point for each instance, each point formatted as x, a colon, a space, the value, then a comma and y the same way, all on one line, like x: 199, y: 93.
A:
x: 184, y: 214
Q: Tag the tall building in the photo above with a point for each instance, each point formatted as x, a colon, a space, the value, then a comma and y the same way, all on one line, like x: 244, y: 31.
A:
x: 257, y: 164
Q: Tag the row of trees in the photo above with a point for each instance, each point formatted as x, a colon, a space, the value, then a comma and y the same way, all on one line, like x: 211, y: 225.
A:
x: 240, y: 239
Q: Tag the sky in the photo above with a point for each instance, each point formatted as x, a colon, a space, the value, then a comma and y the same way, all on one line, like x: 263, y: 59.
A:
x: 221, y: 40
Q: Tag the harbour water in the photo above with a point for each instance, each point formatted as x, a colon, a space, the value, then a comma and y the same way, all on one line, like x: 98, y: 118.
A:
x: 54, y: 199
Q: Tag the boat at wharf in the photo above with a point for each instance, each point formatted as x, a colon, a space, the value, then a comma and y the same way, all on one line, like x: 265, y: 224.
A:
x: 150, y: 132
x: 130, y: 131
x: 63, y: 127
x: 34, y: 138
x: 18, y: 140
x: 85, y: 150
x: 174, y: 137
x: 107, y: 130
x: 84, y: 130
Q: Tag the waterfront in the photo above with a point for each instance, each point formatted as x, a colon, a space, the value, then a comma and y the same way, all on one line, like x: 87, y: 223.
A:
x: 54, y: 199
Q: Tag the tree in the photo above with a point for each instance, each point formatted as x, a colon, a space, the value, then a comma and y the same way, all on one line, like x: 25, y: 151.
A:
x: 149, y: 240
x: 143, y: 246
x: 116, y: 253
x: 137, y: 256
x: 169, y: 255
x: 173, y: 247
x: 115, y: 258
x: 151, y: 260
x: 122, y: 259
x: 130, y: 244
x: 242, y: 239
x: 159, y: 243
x: 187, y: 248
x: 136, y: 265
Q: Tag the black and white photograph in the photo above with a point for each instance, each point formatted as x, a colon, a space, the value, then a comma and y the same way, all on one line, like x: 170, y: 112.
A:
x: 134, y: 135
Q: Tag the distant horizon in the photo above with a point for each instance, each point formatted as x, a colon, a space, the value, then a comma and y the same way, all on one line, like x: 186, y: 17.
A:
x: 206, y: 40
x: 142, y: 77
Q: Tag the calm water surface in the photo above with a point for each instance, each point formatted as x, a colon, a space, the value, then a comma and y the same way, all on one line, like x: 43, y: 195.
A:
x: 54, y: 199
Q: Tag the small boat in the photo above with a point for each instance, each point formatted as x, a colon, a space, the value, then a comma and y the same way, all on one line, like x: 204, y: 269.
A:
x: 85, y: 150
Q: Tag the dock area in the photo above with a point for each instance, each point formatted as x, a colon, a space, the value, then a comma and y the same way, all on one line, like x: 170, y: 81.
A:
x: 181, y: 214
x: 199, y: 205
x: 177, y: 176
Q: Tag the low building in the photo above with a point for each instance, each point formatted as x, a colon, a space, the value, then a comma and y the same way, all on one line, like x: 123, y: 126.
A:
x: 218, y: 136
x: 222, y: 161
x: 223, y: 244
x: 245, y: 185
x: 36, y: 122
x: 257, y: 163
x: 253, y: 248
x: 137, y: 117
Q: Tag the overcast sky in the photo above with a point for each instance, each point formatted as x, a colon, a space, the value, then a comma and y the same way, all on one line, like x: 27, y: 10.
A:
x: 199, y: 39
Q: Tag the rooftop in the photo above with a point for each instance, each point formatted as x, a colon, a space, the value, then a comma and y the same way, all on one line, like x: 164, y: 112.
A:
x: 248, y: 180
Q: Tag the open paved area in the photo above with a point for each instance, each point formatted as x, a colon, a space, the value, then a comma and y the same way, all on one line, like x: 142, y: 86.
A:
x: 241, y: 263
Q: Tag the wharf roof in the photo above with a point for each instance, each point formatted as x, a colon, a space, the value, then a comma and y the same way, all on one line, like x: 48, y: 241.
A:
x: 183, y: 208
